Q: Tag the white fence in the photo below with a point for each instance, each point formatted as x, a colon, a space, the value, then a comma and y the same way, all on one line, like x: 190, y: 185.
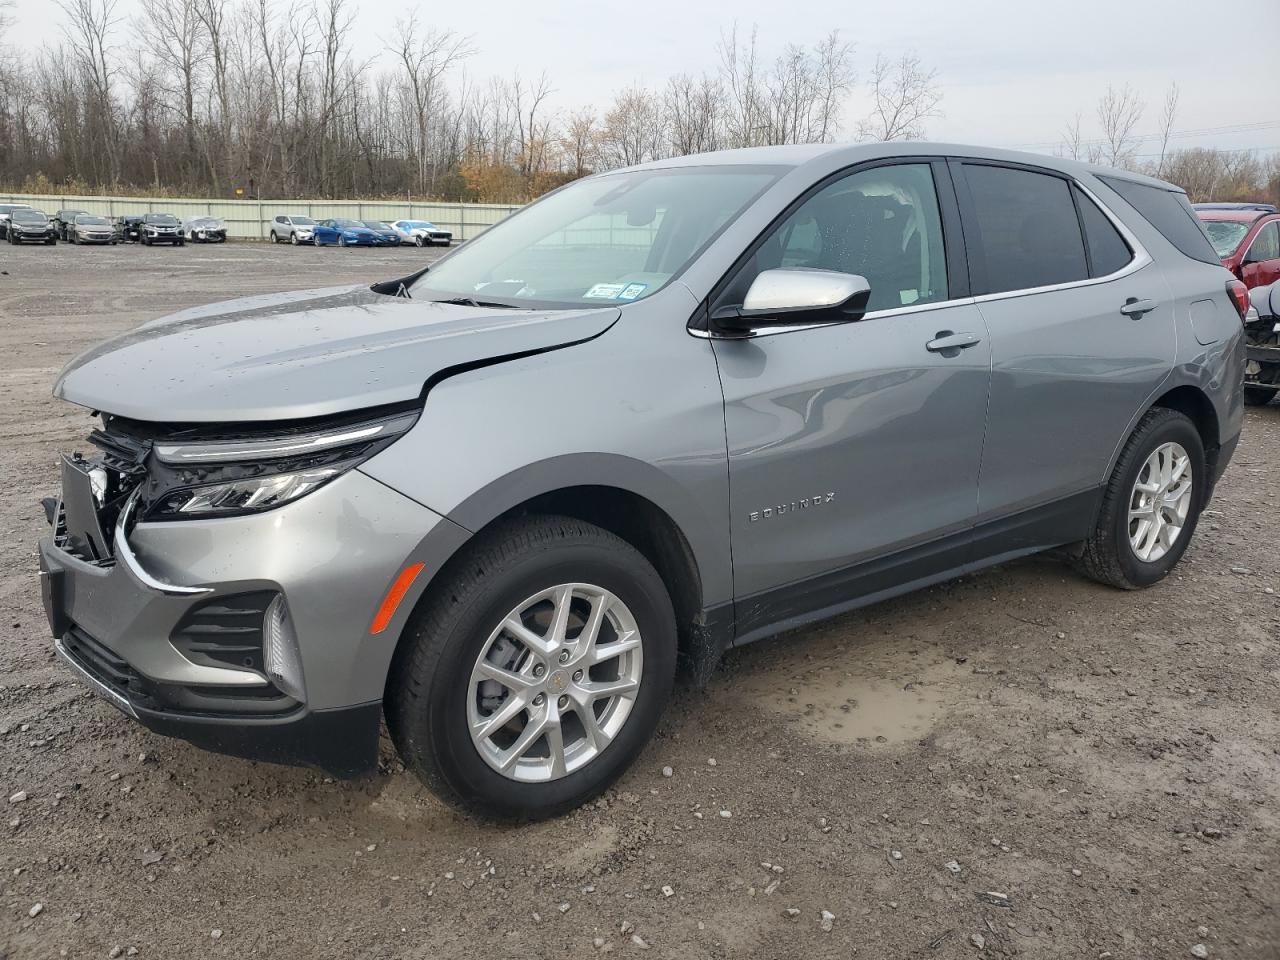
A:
x: 251, y: 219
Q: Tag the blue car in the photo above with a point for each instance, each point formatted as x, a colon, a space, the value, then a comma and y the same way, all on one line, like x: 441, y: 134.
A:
x: 384, y: 234
x: 345, y: 233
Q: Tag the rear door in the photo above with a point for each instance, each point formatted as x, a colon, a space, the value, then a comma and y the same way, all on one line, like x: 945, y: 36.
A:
x: 1082, y: 334
x: 849, y: 442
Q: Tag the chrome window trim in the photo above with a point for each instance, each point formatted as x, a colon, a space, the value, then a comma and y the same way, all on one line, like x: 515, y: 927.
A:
x: 1139, y: 260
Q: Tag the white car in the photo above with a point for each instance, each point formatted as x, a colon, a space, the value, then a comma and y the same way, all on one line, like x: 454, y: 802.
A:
x: 422, y: 233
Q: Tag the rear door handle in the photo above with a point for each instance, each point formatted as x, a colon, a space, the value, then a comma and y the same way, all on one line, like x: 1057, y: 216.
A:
x: 950, y: 344
x: 1133, y: 307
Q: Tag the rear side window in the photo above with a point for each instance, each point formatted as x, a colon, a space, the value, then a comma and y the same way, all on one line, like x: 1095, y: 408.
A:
x: 1170, y: 213
x: 1106, y: 248
x: 1028, y: 231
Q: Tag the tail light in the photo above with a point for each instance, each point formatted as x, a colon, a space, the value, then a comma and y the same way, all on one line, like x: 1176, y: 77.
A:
x: 1239, y: 295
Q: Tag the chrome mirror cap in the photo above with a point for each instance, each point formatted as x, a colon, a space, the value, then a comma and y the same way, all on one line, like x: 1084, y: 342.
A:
x: 784, y: 291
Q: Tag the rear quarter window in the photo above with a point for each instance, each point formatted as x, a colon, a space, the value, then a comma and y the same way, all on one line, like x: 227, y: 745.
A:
x: 1170, y: 213
x: 1107, y: 250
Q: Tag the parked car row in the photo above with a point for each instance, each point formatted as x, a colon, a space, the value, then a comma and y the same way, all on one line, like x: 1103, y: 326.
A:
x: 345, y: 232
x: 81, y: 226
x: 20, y: 222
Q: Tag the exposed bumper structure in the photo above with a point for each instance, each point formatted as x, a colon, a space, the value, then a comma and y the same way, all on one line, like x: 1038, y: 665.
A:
x: 173, y: 630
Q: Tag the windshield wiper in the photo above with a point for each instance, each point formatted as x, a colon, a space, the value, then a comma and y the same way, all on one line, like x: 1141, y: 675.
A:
x: 473, y: 302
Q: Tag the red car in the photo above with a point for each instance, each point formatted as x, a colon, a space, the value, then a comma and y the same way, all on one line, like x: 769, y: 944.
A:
x: 1247, y: 239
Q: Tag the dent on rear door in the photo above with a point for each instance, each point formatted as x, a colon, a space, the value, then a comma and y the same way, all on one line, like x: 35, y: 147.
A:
x: 1069, y: 374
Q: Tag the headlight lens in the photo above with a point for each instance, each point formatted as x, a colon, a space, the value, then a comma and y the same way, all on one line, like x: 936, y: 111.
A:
x: 229, y: 477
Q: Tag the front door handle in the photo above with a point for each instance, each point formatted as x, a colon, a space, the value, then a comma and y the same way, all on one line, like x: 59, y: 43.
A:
x: 950, y: 344
x: 1133, y: 307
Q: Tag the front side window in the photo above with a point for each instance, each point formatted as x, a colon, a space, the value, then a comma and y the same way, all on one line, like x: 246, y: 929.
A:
x: 1027, y: 229
x: 614, y: 238
x: 882, y: 224
x: 1266, y: 245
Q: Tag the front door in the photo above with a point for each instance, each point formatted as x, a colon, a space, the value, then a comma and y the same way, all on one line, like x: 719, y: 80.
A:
x: 855, y: 442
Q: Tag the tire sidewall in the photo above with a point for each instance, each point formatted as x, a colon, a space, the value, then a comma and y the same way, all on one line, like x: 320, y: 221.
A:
x: 639, y: 587
x: 1177, y: 429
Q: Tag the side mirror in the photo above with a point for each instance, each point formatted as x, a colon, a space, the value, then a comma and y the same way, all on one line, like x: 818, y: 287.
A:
x: 798, y: 296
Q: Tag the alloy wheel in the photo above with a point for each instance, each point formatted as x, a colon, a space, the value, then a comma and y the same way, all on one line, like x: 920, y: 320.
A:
x: 1160, y: 502
x: 554, y: 682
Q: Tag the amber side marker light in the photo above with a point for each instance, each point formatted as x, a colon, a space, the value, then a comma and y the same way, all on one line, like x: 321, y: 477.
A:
x: 392, y: 600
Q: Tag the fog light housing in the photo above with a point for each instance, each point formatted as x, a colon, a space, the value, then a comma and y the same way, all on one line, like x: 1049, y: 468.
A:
x: 280, y: 655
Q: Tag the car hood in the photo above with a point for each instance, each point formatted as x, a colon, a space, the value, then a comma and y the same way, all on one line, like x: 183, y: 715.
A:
x: 304, y: 354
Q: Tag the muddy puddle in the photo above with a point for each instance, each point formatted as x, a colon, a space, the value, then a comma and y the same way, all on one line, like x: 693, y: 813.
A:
x: 844, y: 706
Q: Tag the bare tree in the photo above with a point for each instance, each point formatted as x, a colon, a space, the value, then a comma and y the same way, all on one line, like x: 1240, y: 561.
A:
x: 426, y: 57
x: 89, y: 29
x: 904, y: 95
x: 1119, y: 112
x: 1168, y: 116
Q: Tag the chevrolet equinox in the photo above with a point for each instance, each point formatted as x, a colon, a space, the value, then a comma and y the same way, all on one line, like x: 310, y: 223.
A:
x: 661, y: 412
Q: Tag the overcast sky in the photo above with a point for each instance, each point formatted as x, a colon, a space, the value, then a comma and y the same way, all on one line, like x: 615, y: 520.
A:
x: 1013, y: 72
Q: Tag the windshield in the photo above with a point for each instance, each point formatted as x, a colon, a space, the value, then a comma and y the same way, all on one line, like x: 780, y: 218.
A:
x: 9, y: 208
x: 347, y: 224
x: 161, y: 218
x: 29, y: 216
x: 1225, y: 235
x: 416, y: 225
x: 303, y: 222
x: 375, y: 225
x: 614, y: 238
x: 87, y: 221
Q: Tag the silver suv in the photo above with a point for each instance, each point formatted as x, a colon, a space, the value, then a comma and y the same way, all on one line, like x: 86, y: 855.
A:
x: 660, y: 412
x: 292, y: 228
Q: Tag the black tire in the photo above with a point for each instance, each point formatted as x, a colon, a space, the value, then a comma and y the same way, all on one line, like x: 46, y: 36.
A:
x: 342, y: 241
x: 417, y: 241
x: 274, y: 238
x: 427, y: 692
x: 1259, y: 396
x: 293, y: 239
x: 1108, y: 555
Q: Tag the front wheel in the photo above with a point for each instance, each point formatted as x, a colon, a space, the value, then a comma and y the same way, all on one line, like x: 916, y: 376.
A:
x: 1150, y: 505
x: 533, y: 674
x: 342, y: 241
x: 1259, y: 396
x: 293, y: 239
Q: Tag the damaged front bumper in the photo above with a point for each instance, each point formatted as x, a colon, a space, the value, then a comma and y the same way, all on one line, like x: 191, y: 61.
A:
x: 172, y: 622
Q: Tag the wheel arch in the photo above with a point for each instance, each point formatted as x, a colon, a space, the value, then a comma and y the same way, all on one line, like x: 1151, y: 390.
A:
x: 665, y: 534
x: 1195, y: 405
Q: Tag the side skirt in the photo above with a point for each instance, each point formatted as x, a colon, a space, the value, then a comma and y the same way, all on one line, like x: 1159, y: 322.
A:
x: 870, y: 581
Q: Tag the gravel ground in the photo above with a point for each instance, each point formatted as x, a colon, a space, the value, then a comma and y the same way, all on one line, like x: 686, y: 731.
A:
x: 1016, y: 763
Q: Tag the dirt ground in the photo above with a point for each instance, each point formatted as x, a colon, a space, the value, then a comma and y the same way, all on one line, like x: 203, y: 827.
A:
x: 1020, y: 763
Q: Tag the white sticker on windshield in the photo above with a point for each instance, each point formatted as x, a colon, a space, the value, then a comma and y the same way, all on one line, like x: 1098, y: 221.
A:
x: 604, y: 291
x: 632, y: 291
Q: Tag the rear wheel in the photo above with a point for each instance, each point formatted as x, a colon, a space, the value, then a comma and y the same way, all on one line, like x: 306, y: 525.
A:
x: 533, y: 675
x: 274, y: 237
x: 1259, y: 396
x: 1151, y: 504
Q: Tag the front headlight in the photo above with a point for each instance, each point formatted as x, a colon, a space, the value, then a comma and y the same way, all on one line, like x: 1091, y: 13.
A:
x: 227, y: 477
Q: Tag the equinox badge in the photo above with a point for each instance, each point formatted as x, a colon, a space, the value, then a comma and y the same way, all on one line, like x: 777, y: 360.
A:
x: 778, y: 510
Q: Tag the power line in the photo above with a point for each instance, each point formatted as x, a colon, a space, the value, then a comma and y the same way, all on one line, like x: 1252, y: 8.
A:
x: 1176, y: 135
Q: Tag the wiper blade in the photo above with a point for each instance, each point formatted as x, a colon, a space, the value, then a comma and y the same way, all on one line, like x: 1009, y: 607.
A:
x: 473, y: 302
